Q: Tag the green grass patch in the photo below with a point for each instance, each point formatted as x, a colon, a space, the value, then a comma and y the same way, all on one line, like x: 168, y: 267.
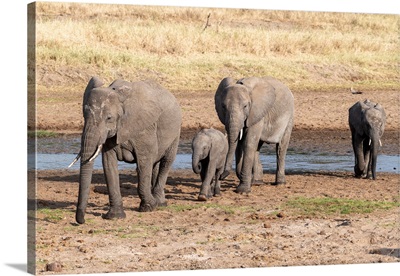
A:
x: 42, y: 134
x: 53, y: 215
x: 228, y: 209
x: 131, y: 232
x: 136, y: 235
x: 138, y: 231
x: 333, y: 206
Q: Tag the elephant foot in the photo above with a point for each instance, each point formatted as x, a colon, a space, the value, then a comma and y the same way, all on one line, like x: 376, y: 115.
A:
x: 147, y: 207
x: 224, y: 175
x: 202, y: 197
x: 80, y: 216
x: 276, y: 183
x: 217, y: 195
x: 370, y: 177
x: 114, y: 213
x: 257, y: 182
x: 243, y: 189
x: 162, y: 204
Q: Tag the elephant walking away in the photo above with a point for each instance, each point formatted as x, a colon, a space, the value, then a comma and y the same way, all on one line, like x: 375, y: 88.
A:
x: 254, y: 111
x: 367, y: 123
x: 209, y: 147
x: 135, y: 122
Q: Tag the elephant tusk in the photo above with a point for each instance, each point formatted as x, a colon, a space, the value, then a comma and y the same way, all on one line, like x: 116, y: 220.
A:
x: 241, y: 134
x: 76, y: 159
x: 380, y: 142
x: 96, y: 153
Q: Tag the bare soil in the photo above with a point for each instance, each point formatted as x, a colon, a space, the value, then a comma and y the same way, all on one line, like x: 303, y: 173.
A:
x: 231, y: 231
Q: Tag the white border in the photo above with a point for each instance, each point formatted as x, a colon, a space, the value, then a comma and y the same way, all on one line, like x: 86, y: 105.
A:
x: 13, y: 135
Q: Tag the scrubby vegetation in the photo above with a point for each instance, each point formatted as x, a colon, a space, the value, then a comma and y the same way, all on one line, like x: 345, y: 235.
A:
x: 194, y: 48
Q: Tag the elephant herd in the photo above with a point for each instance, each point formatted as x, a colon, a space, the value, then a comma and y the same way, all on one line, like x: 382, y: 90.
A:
x: 140, y: 122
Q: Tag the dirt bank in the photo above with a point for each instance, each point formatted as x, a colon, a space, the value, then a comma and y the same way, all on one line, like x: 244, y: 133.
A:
x: 259, y: 230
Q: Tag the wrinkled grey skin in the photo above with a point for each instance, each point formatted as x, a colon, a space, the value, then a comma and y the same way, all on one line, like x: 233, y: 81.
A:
x: 209, y: 148
x: 367, y: 124
x: 263, y: 109
x: 135, y: 122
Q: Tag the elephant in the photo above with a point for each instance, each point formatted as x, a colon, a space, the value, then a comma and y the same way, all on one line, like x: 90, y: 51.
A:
x: 135, y: 122
x: 209, y: 147
x: 254, y: 110
x: 367, y: 123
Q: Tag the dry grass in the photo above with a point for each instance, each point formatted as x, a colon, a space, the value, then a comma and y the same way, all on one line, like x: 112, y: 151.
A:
x: 307, y: 50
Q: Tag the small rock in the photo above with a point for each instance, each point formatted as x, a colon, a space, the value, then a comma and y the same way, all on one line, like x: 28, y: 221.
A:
x: 83, y: 249
x: 373, y: 239
x: 280, y: 215
x: 267, y: 225
x: 56, y: 267
x: 322, y: 233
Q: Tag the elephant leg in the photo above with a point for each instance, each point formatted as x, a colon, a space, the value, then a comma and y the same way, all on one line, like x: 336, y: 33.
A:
x: 110, y: 166
x: 239, y: 158
x: 257, y: 167
x: 353, y: 143
x: 145, y: 172
x: 367, y: 158
x: 250, y: 144
x: 165, y: 166
x: 157, y: 190
x: 154, y: 175
x: 203, y: 189
x: 147, y: 201
x: 207, y: 178
x: 217, y: 186
x: 281, y: 150
x: 359, y: 165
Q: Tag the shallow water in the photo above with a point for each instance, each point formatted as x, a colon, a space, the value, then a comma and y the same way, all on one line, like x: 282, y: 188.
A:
x: 58, y: 153
x: 294, y: 162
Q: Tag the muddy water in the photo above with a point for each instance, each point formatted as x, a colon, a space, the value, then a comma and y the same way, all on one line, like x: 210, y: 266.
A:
x: 294, y: 162
x: 58, y: 153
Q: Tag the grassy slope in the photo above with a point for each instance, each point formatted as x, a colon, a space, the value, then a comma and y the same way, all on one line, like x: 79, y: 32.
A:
x: 308, y: 51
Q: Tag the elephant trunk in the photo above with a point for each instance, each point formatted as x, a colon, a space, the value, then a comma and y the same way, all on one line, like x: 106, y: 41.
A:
x: 196, y: 164
x: 85, y: 178
x: 234, y: 134
x: 89, y: 151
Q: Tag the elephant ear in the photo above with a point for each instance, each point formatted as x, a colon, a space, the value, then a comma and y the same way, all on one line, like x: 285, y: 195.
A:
x: 220, y: 96
x: 262, y: 95
x: 94, y: 82
x: 141, y: 109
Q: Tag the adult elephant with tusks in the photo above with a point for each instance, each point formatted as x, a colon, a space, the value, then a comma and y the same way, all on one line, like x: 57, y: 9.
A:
x: 254, y: 111
x: 367, y: 124
x: 135, y: 122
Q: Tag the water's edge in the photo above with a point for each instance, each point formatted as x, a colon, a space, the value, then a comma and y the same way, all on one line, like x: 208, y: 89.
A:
x: 294, y: 162
x: 58, y: 153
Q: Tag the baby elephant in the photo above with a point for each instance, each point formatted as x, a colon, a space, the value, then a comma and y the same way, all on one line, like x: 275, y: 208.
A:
x: 209, y: 147
x: 367, y: 123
